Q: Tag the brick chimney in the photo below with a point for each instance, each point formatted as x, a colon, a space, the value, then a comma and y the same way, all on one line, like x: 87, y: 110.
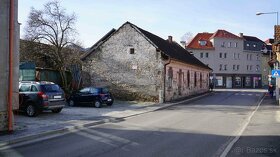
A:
x: 241, y: 35
x: 170, y: 39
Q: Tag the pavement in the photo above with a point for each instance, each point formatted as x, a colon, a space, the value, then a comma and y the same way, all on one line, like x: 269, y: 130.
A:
x: 72, y: 118
x: 262, y: 135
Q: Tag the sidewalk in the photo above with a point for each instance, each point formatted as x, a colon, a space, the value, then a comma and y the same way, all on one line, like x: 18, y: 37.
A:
x: 262, y: 135
x: 48, y: 123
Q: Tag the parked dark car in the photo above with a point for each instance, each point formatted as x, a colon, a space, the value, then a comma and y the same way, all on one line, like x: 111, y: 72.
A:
x: 35, y: 97
x: 94, y: 96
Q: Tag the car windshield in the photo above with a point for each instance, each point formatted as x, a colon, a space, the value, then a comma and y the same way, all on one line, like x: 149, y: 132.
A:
x: 51, y: 88
x: 105, y: 90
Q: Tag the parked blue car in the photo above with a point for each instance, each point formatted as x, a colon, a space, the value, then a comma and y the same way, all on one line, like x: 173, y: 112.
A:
x: 94, y: 96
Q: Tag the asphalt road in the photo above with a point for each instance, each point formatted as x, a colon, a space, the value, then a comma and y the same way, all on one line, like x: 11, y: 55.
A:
x: 202, y: 128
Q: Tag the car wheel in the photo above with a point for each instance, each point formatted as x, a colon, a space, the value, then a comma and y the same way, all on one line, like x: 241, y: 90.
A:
x: 97, y: 104
x: 71, y: 103
x: 57, y: 110
x: 31, y: 111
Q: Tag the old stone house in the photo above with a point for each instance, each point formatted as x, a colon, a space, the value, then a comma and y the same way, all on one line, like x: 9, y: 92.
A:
x: 136, y: 64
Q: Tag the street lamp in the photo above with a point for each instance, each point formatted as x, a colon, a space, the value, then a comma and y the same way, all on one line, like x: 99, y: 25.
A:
x: 260, y: 13
x: 275, y: 64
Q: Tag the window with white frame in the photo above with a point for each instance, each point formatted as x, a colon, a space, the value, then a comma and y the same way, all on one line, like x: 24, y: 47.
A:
x: 234, y: 55
x: 221, y: 66
x: 225, y: 67
x: 223, y: 44
x: 258, y: 57
x: 229, y: 44
x: 235, y: 44
x: 201, y: 55
x: 207, y: 55
x: 238, y: 56
x: 257, y: 68
x: 202, y: 42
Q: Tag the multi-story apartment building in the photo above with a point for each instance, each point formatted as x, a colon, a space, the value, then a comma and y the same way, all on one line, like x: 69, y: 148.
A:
x: 267, y: 63
x: 235, y: 60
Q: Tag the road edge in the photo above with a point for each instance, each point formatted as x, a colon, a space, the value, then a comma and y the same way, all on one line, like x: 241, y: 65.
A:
x: 6, y: 143
x: 244, y: 126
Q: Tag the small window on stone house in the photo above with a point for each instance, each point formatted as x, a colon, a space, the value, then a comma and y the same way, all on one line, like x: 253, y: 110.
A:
x: 131, y: 50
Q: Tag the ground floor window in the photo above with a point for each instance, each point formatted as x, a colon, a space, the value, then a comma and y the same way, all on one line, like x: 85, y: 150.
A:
x: 256, y: 81
x: 248, y: 81
x: 237, y: 81
x: 219, y: 80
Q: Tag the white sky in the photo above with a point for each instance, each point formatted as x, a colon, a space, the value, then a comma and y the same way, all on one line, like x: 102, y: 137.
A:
x: 165, y: 17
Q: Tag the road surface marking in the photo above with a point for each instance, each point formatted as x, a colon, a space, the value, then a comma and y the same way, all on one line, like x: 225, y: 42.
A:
x: 277, y: 116
x: 240, y: 132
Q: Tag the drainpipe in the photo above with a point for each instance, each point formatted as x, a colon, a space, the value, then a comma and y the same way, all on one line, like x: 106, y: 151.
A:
x: 164, y: 77
x: 11, y: 40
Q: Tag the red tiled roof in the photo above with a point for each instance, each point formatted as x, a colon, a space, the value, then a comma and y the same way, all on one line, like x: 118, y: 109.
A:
x: 224, y: 34
x: 194, y: 44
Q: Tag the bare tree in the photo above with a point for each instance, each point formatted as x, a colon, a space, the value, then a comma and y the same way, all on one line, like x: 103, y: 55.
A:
x: 53, y: 27
x: 186, y: 38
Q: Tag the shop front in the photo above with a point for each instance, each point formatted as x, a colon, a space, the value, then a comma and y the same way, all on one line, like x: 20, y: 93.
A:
x: 237, y: 81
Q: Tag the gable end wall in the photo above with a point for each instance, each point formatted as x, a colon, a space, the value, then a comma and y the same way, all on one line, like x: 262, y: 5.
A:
x: 129, y: 76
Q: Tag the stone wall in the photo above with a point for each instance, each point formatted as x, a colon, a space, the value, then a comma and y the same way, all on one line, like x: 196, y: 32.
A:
x: 177, y: 87
x: 128, y: 64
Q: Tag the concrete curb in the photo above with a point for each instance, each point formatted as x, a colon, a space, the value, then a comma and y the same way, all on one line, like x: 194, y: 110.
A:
x: 72, y: 128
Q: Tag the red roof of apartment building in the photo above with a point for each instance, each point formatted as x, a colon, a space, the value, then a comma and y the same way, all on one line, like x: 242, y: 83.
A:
x: 195, y: 42
x: 224, y: 34
x: 202, y: 40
